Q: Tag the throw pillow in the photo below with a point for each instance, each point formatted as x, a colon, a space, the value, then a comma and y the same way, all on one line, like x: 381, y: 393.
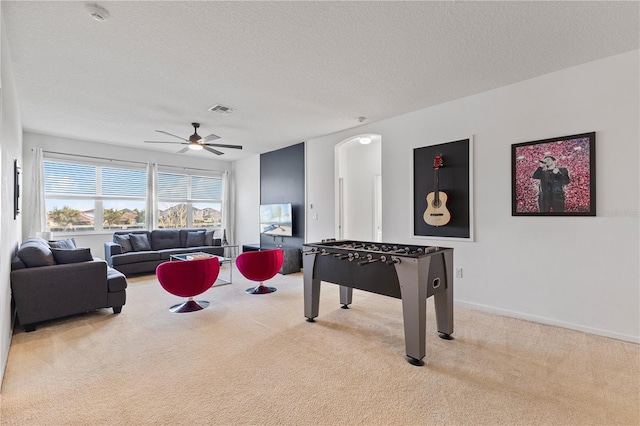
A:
x: 36, y: 252
x: 139, y: 242
x: 69, y: 244
x: 63, y: 256
x: 208, y: 238
x: 123, y: 240
x: 195, y: 238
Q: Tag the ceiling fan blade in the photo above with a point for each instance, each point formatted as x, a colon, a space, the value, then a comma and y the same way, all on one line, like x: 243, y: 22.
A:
x: 183, y: 150
x: 224, y: 146
x: 170, y: 134
x: 179, y: 143
x: 213, y: 150
x: 210, y: 138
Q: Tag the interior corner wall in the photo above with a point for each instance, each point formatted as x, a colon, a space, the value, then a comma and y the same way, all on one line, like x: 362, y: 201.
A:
x: 576, y: 272
x: 247, y: 200
x: 282, y: 180
x: 10, y: 229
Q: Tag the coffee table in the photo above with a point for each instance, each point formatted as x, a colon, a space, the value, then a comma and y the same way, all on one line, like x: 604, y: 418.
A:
x: 202, y: 255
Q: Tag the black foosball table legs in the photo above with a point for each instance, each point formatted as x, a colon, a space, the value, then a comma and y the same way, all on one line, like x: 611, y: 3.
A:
x: 416, y: 362
x: 445, y: 336
x: 419, y: 362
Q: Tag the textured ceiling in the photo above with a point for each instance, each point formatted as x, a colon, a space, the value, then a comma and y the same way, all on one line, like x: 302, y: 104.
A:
x: 291, y: 70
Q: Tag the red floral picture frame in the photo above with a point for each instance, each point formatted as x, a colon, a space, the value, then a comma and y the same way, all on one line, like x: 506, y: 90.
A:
x: 554, y: 177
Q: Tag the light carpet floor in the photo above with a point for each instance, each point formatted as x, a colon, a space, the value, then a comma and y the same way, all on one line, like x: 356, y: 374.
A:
x: 254, y: 360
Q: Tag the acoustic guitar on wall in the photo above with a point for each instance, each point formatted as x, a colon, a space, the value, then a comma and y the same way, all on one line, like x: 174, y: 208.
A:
x: 436, y: 213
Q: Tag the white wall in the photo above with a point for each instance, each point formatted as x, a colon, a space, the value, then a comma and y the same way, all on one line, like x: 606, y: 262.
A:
x: 577, y: 272
x: 95, y: 241
x: 10, y: 149
x: 247, y: 195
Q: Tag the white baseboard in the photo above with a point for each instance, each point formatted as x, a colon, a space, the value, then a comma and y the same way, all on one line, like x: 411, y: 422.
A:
x: 548, y: 321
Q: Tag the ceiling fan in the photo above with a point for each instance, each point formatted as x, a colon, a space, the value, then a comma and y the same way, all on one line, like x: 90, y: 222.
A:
x: 196, y: 142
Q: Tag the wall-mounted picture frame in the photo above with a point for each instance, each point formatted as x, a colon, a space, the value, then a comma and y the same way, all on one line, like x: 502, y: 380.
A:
x: 17, y: 172
x: 554, y: 177
x: 445, y: 169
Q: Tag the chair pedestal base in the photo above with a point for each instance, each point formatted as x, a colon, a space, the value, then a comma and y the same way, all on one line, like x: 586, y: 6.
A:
x: 261, y: 289
x: 189, y: 306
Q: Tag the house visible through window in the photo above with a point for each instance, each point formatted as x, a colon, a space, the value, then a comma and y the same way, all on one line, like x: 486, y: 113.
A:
x: 189, y: 200
x: 83, y: 196
x: 90, y: 197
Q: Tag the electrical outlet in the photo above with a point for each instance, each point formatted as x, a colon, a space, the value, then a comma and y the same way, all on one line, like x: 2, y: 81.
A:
x: 458, y: 272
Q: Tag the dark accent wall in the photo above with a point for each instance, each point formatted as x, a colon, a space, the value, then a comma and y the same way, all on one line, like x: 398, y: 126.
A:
x: 282, y: 181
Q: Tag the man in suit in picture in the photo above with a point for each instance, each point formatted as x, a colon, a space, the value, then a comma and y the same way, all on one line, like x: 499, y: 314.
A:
x: 551, y: 195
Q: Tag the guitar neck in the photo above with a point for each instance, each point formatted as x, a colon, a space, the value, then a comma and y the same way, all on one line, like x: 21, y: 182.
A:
x: 436, y: 183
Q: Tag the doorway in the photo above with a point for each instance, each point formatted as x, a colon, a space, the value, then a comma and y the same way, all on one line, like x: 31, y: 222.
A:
x: 359, y: 188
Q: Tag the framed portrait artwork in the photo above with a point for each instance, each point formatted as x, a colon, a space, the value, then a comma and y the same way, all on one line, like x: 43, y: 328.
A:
x: 554, y: 177
x: 443, y: 190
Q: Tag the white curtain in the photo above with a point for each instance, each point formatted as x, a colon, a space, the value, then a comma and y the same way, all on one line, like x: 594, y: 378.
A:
x: 37, y: 217
x: 151, y: 217
x: 228, y: 209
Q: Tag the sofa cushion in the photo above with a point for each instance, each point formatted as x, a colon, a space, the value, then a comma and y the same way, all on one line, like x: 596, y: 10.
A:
x: 140, y: 242
x: 63, y: 256
x: 123, y: 241
x: 16, y: 263
x: 195, y: 238
x: 116, y: 280
x: 184, y: 232
x: 35, y: 252
x: 69, y: 243
x: 165, y: 239
x: 208, y: 238
x: 134, y: 257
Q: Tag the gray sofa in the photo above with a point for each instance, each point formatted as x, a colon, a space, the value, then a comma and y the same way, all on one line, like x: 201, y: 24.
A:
x: 50, y: 281
x: 140, y: 252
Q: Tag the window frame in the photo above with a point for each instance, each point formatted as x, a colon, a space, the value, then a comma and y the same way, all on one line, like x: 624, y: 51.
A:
x: 98, y: 198
x: 188, y: 200
x: 151, y: 192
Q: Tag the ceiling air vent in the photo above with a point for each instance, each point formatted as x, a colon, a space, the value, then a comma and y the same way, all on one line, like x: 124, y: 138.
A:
x: 221, y: 109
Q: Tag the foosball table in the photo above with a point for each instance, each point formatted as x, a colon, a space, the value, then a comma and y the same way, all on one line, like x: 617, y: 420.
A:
x: 407, y: 272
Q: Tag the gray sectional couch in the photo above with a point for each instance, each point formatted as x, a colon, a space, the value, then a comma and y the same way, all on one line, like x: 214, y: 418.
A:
x: 139, y: 252
x: 50, y: 281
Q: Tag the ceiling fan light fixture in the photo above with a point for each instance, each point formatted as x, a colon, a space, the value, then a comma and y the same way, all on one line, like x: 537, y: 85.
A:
x: 195, y: 146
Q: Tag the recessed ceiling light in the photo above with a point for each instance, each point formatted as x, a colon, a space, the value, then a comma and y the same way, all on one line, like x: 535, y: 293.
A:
x: 98, y: 13
x: 365, y: 140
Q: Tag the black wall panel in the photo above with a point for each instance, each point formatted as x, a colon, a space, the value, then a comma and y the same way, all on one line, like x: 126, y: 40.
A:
x: 282, y: 181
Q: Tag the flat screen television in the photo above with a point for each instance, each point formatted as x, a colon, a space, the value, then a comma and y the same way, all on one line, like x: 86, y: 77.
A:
x: 276, y: 219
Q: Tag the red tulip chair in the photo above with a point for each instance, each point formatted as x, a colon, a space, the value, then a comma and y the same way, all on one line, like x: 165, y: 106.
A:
x: 260, y: 266
x: 188, y: 278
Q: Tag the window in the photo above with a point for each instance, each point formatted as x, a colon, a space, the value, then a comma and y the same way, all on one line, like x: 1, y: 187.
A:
x: 189, y: 200
x: 93, y: 197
